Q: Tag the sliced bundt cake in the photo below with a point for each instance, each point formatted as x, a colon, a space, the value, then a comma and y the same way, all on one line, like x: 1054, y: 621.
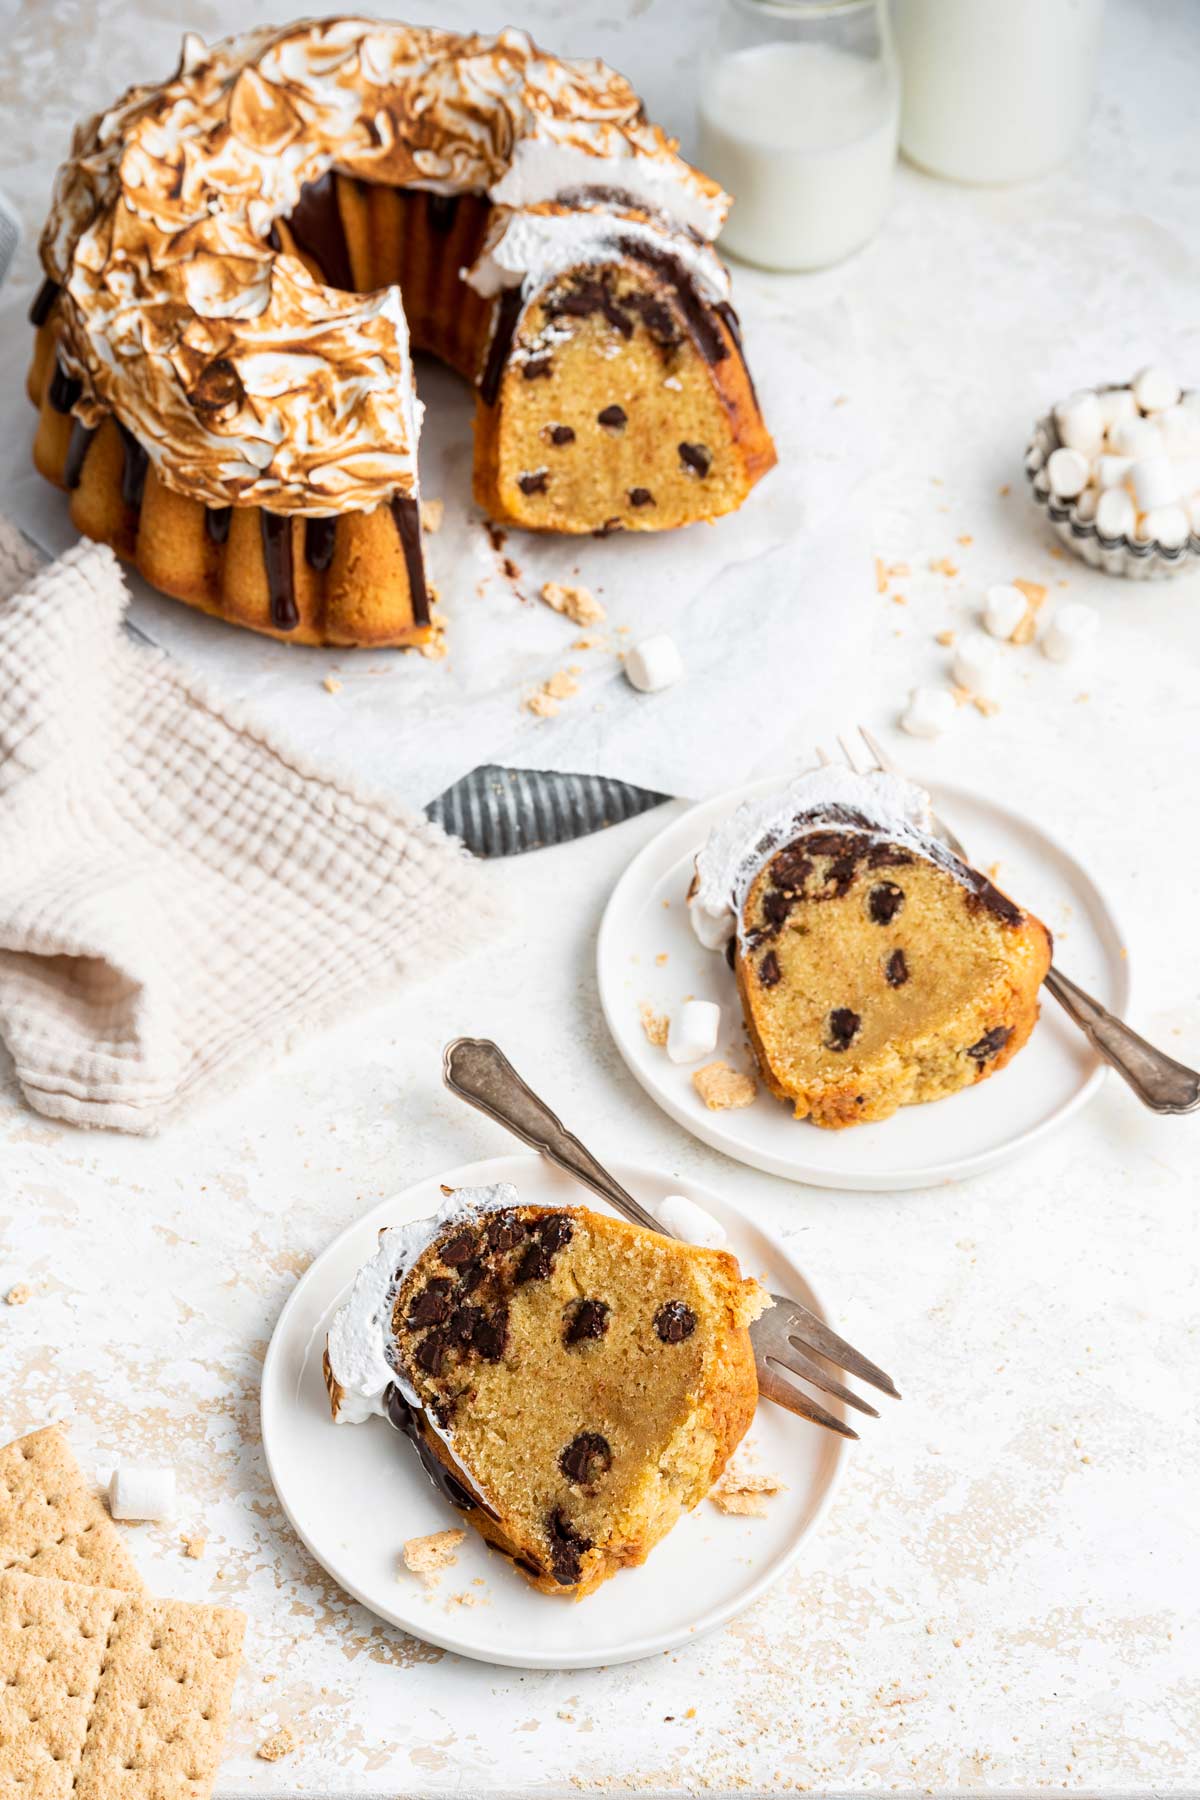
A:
x: 875, y: 969
x: 572, y: 1383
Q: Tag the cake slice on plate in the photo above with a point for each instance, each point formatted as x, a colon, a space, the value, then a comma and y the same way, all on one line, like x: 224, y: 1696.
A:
x: 875, y: 969
x: 572, y: 1383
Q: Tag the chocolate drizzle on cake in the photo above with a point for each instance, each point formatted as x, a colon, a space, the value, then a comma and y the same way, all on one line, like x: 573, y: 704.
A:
x: 441, y: 210
x: 133, y: 469
x: 407, y: 1419
x: 320, y: 536
x: 217, y: 520
x: 281, y: 573
x: 77, y: 449
x: 316, y: 224
x: 504, y: 326
x: 407, y: 515
x: 43, y: 301
x: 65, y: 389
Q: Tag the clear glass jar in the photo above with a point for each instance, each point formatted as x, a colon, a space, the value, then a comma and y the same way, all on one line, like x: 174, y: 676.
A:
x: 995, y: 90
x: 798, y: 118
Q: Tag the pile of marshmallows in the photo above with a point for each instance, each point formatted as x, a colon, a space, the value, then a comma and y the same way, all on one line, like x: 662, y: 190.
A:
x: 1129, y: 460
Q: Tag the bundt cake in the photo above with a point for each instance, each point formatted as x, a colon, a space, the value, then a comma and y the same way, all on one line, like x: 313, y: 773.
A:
x: 239, y: 261
x: 571, y: 1383
x: 875, y: 969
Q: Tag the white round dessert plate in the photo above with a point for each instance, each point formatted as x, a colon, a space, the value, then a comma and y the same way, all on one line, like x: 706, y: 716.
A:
x: 648, y: 955
x: 356, y: 1493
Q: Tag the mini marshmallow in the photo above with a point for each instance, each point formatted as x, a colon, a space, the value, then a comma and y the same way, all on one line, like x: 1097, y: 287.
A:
x: 1084, y: 509
x: 1166, y: 525
x: 930, y: 711
x: 693, y: 1031
x: 1068, y: 473
x: 1081, y: 423
x: 1110, y: 471
x: 1154, y: 483
x: 1115, y: 513
x: 1116, y: 404
x: 682, y: 1218
x: 135, y: 1493
x: 654, y: 663
x: 1155, y: 389
x: 1136, y: 437
x: 712, y: 929
x: 1004, y: 606
x: 976, y: 662
x: 1179, y: 428
x: 1070, y: 632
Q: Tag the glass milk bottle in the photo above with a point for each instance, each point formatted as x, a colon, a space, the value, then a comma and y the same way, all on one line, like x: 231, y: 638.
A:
x: 995, y: 90
x: 799, y: 112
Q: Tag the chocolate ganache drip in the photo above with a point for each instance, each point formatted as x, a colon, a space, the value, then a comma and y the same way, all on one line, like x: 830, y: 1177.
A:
x: 407, y: 515
x: 217, y: 520
x: 281, y: 573
x: 43, y: 301
x: 133, y: 470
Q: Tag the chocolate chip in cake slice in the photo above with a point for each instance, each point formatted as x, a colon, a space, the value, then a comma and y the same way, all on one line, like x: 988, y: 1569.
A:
x: 841, y: 1028
x: 561, y: 434
x: 431, y: 1353
x: 614, y: 417
x: 505, y: 1232
x: 586, y: 1458
x: 884, y: 901
x: 538, y: 368
x: 776, y: 907
x: 990, y: 1044
x: 895, y: 971
x: 588, y: 1320
x: 556, y: 1231
x: 473, y: 1276
x: 534, y: 481
x: 791, y: 869
x: 491, y: 1336
x: 459, y: 1250
x: 432, y: 1304
x: 463, y: 1323
x: 568, y: 1547
x: 640, y: 496
x: 769, y: 972
x: 674, y: 1322
x: 696, y: 457
x: 533, y: 1266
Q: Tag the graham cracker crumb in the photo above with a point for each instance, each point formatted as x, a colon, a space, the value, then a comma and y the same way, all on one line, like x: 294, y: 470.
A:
x: 897, y: 571
x: 881, y: 578
x: 282, y: 1744
x: 661, y: 959
x: 542, y: 706
x: 432, y: 514
x: 194, y: 1547
x: 1004, y: 491
x: 19, y: 1295
x: 1026, y: 629
x: 655, y: 1025
x: 942, y: 565
x: 561, y: 686
x: 722, y: 1088
x: 981, y: 703
x: 1033, y: 591
x: 428, y: 1555
x: 332, y: 685
x: 578, y: 604
x: 589, y: 641
x: 745, y: 1494
x: 961, y: 694
x: 966, y: 539
x: 435, y: 649
x: 945, y: 638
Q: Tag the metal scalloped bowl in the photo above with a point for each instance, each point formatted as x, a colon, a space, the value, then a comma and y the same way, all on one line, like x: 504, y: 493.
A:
x: 1123, y: 555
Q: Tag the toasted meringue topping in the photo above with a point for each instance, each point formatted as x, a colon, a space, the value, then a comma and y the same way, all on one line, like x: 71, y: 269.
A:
x: 245, y: 378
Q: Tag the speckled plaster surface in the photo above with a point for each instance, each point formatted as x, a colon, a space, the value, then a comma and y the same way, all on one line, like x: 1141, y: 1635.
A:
x: 1005, y: 1592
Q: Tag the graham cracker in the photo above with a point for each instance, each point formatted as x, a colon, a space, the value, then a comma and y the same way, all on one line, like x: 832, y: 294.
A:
x: 104, y: 1693
x: 52, y: 1523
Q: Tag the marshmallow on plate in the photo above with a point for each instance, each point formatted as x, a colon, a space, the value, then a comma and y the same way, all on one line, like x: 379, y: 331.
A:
x: 682, y: 1218
x: 1071, y: 631
x: 654, y: 663
x: 930, y: 711
x: 135, y: 1493
x: 693, y: 1031
x: 1004, y: 606
x: 712, y: 929
x: 976, y: 663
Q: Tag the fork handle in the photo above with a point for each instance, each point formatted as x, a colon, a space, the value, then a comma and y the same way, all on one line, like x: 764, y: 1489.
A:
x: 479, y: 1072
x: 1161, y: 1083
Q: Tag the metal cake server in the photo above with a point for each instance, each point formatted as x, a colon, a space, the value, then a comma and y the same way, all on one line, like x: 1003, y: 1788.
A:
x: 1161, y: 1083
x: 788, y: 1339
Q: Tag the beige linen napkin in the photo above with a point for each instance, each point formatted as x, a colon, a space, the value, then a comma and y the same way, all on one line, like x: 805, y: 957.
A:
x: 180, y: 897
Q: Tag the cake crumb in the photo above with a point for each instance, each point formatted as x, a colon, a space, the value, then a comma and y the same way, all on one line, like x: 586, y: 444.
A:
x: 981, y: 703
x: 942, y: 565
x: 194, y: 1547
x: 961, y: 694
x: 578, y: 604
x: 966, y: 539
x: 661, y: 959
x: 722, y: 1088
x: 746, y: 1495
x: 432, y: 514
x: 1004, y: 491
x: 467, y: 1598
x: 655, y: 1025
x: 542, y: 706
x: 435, y: 649
x: 282, y: 1744
x: 19, y: 1295
x: 561, y: 686
x: 332, y: 685
x: 945, y: 638
x: 428, y: 1555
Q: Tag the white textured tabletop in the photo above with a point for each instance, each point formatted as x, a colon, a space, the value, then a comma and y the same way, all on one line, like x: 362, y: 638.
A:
x: 1006, y: 1592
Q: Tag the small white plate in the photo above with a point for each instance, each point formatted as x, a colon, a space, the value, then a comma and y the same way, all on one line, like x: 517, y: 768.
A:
x: 648, y: 954
x: 355, y: 1493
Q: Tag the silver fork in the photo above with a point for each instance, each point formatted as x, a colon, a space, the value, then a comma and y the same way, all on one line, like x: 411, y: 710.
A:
x: 478, y: 1071
x: 1161, y: 1083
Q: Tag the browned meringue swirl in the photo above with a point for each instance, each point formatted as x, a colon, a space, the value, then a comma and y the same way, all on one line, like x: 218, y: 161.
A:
x: 246, y: 379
